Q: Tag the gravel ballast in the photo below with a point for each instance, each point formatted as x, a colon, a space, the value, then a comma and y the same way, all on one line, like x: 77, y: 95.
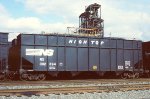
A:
x: 140, y: 94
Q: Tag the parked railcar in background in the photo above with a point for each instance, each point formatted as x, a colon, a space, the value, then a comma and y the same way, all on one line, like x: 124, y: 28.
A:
x: 146, y: 56
x: 36, y: 55
x: 3, y: 54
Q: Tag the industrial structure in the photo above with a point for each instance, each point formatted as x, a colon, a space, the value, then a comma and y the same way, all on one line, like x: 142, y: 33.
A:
x: 90, y: 21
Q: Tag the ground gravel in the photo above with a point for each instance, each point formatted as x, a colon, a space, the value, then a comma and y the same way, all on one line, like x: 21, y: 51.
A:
x: 140, y: 94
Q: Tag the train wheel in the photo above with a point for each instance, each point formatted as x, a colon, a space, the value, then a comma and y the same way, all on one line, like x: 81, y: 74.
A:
x: 41, y: 77
x: 32, y: 77
x: 24, y: 77
x: 11, y: 75
x: 36, y: 77
x: 132, y: 75
x: 136, y: 75
x: 124, y: 75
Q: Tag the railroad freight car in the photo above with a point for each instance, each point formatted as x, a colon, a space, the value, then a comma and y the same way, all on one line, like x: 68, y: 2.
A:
x: 146, y: 56
x: 3, y: 54
x: 34, y: 56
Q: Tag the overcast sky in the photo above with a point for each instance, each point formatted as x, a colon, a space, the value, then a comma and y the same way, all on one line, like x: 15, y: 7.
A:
x: 122, y: 18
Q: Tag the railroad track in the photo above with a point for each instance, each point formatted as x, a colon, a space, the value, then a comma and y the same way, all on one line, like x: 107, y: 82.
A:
x: 73, y: 90
x: 97, y: 86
